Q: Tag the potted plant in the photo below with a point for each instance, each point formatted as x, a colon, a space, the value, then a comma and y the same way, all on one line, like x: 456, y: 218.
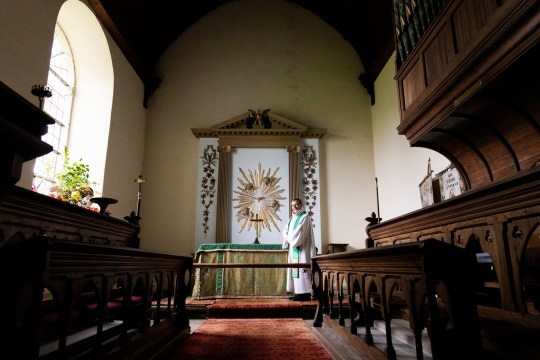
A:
x: 73, y: 183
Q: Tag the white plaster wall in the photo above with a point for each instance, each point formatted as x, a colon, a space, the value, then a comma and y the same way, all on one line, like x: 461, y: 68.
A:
x: 257, y: 54
x: 399, y: 167
x: 124, y: 159
x: 26, y: 33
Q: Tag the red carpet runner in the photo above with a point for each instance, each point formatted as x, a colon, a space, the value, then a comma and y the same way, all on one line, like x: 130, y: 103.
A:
x: 257, y: 339
x: 248, y: 308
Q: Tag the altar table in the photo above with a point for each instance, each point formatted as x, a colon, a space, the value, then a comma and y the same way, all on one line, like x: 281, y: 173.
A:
x: 222, y: 283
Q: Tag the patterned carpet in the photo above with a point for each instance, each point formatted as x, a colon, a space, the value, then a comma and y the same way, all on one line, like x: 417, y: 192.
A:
x: 249, y: 308
x: 246, y: 339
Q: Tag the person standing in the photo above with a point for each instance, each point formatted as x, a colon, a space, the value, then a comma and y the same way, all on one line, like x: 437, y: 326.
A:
x: 298, y: 238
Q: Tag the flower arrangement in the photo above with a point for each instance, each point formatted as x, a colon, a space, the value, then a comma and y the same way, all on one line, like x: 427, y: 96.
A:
x: 73, y: 184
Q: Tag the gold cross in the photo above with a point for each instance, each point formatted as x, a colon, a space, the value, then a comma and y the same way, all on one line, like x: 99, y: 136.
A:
x: 257, y: 228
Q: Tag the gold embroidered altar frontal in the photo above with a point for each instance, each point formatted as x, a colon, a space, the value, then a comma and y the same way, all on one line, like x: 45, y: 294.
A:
x: 222, y: 283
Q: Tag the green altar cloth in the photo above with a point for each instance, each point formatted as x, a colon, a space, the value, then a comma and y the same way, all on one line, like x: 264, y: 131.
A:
x: 221, y: 283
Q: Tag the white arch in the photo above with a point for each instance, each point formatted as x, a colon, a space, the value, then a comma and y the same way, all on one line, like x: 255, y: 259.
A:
x: 93, y: 94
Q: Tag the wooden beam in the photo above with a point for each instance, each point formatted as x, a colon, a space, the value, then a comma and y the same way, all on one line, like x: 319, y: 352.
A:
x: 103, y: 15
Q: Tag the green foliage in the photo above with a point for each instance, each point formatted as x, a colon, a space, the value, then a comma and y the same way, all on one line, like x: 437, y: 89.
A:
x: 73, y: 183
x: 74, y: 175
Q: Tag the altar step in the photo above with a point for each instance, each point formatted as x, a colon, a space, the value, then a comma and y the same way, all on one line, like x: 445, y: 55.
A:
x: 250, y: 308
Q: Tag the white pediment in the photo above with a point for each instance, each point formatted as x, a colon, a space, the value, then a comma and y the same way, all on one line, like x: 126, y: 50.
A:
x: 259, y: 123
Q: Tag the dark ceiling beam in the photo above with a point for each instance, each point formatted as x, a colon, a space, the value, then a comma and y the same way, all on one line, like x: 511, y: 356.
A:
x: 373, y: 40
x: 367, y: 79
x: 123, y: 44
x: 372, y: 73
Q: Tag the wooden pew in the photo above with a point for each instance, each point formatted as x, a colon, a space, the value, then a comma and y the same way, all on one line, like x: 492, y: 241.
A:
x: 500, y: 224
x: 67, y: 269
x: 436, y: 282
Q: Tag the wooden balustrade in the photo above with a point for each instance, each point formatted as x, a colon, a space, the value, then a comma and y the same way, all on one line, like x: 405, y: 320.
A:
x: 430, y: 283
x: 96, y: 293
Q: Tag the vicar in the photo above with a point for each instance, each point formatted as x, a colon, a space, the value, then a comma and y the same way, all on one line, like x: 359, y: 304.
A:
x: 298, y: 237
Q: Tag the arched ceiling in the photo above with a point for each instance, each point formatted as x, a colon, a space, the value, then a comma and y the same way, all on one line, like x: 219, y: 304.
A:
x: 144, y: 29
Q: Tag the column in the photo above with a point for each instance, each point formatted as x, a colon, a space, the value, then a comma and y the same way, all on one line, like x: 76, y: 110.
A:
x: 294, y: 173
x: 224, y: 197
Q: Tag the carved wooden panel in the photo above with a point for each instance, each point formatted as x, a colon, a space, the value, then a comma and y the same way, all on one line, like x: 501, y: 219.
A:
x: 469, y: 18
x: 439, y: 52
x: 413, y: 84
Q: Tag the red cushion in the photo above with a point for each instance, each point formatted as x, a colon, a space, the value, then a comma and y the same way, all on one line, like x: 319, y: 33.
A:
x: 91, y: 306
x: 134, y: 298
x: 114, y: 305
x: 110, y: 305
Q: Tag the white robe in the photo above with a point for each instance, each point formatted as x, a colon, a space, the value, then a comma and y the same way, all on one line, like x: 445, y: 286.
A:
x: 299, y: 234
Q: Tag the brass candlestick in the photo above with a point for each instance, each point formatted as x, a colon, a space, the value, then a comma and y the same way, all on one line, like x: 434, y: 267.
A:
x: 134, y: 216
x: 139, y: 181
x: 41, y: 91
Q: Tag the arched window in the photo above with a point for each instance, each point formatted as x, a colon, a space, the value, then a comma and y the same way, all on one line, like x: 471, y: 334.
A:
x: 61, y: 80
x: 81, y: 78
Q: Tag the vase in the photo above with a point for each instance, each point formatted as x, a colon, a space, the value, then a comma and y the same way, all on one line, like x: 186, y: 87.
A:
x: 103, y: 202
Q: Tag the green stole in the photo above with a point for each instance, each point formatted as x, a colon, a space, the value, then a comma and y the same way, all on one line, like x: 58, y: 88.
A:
x: 295, y: 257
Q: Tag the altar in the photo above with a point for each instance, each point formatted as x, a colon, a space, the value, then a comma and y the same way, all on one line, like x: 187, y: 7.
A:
x: 222, y: 283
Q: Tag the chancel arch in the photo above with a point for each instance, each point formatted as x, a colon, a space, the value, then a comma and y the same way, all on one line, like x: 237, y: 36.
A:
x: 250, y: 168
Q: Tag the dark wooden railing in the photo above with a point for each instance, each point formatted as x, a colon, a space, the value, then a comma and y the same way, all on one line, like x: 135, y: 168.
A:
x: 430, y: 283
x: 97, y: 294
x: 25, y: 214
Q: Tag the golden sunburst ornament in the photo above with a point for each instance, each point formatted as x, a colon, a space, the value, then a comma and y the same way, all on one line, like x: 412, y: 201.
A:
x: 258, y: 200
